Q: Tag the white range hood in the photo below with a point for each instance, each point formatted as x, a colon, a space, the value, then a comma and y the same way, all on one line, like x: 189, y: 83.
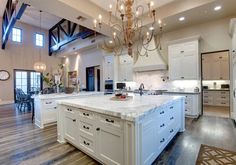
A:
x: 152, y: 62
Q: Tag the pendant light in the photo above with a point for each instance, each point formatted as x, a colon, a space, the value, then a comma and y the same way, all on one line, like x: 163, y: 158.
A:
x: 40, y: 66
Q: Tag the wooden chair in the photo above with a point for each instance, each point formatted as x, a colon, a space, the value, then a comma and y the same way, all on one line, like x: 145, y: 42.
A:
x: 23, y: 100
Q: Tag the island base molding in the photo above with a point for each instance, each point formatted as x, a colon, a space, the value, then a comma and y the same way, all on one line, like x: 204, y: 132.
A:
x: 113, y: 140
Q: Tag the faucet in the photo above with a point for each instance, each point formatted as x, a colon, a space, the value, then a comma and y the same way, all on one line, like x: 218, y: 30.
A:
x: 141, y: 88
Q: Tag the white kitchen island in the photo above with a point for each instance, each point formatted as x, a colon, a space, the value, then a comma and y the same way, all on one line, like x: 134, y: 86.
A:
x: 132, y: 132
x: 46, y: 106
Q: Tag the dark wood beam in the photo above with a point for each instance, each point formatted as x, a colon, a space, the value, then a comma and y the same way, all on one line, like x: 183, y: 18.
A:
x: 9, y: 20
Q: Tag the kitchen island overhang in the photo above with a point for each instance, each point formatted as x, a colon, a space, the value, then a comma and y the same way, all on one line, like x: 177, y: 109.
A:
x: 132, y: 132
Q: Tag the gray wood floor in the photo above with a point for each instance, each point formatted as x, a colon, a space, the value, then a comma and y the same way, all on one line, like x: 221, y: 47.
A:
x: 23, y: 143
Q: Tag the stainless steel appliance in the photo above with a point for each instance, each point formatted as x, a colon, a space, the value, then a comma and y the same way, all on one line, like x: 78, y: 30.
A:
x: 120, y: 85
x: 109, y: 87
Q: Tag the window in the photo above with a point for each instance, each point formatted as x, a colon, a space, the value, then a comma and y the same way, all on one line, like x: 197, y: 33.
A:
x: 39, y: 40
x: 16, y: 34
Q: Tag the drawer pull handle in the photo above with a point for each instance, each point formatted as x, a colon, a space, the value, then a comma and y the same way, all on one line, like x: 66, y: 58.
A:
x: 69, y: 109
x: 55, y: 107
x: 171, y: 130
x: 172, y: 118
x: 171, y: 107
x: 87, y: 144
x: 162, y: 125
x: 162, y: 140
x: 85, y: 127
x: 98, y: 129
x: 74, y: 120
x: 48, y: 102
x: 186, y: 102
x: 85, y: 114
x: 109, y: 121
x: 162, y: 112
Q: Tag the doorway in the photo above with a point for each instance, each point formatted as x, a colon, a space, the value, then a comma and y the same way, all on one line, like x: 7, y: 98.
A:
x: 28, y: 81
x: 216, y: 83
x: 93, y: 78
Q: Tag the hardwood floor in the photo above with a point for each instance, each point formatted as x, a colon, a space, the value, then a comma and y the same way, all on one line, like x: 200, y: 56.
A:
x: 21, y: 142
x: 218, y: 111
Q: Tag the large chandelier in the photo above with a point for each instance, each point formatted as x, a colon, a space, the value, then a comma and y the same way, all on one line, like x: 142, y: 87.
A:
x: 130, y: 32
x: 40, y: 66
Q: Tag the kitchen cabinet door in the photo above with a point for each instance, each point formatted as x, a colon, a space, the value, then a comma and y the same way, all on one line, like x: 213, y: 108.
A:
x: 70, y: 128
x: 224, y: 64
x: 108, y: 68
x: 175, y: 67
x: 189, y: 66
x: 206, y: 68
x: 109, y: 140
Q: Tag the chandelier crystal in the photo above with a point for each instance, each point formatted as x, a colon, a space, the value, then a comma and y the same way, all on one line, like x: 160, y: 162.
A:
x: 129, y: 32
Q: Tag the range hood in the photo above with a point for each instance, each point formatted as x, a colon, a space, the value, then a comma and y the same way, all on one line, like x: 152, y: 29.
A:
x: 153, y: 61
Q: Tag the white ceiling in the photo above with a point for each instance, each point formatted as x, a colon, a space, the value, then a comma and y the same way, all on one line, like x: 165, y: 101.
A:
x: 32, y: 16
x: 104, y: 4
x: 2, y: 6
x: 201, y: 14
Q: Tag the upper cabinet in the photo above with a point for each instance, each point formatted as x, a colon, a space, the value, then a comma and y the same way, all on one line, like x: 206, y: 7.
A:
x: 215, y: 66
x: 125, y: 68
x: 108, y: 67
x: 184, y: 61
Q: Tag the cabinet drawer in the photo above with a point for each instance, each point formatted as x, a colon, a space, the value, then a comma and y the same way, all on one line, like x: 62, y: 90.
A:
x: 86, y: 128
x: 86, y: 144
x: 70, y: 112
x: 86, y: 114
x: 49, y: 103
x: 111, y: 121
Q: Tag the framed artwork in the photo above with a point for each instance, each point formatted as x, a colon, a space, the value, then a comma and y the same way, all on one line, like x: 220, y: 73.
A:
x: 72, y: 78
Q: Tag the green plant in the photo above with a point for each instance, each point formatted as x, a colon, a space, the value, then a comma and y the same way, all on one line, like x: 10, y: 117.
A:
x: 48, y: 79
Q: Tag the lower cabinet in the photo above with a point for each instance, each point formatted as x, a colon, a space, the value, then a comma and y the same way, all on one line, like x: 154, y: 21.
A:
x: 109, y: 140
x: 216, y: 98
x: 192, y: 103
x: 114, y: 141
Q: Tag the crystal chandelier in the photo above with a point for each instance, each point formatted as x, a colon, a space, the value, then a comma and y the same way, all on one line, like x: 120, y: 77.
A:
x: 130, y: 33
x: 40, y: 66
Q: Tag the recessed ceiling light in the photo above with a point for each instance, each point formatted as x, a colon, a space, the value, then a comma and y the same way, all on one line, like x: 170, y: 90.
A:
x: 151, y: 28
x: 181, y: 18
x: 217, y: 8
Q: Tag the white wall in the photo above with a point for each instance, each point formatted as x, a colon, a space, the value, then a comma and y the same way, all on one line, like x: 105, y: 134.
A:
x: 79, y: 63
x: 22, y: 56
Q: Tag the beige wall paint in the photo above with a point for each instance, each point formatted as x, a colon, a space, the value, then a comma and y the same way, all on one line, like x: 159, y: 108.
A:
x: 79, y: 63
x: 22, y: 56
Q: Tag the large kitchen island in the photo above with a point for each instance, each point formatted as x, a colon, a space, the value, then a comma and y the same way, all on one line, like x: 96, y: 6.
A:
x: 132, y: 132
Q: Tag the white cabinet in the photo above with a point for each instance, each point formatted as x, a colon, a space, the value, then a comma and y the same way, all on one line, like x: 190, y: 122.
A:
x: 125, y: 71
x: 215, y: 66
x: 192, y: 103
x: 108, y: 140
x: 70, y: 125
x: 184, y: 61
x: 108, y: 68
x: 116, y: 141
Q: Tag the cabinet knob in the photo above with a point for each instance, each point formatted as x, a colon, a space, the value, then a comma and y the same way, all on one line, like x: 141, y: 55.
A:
x: 85, y: 114
x: 162, y: 112
x: 172, y: 118
x: 171, y: 130
x: 85, y: 127
x: 182, y: 77
x: 86, y: 143
x: 74, y: 120
x: 98, y: 129
x: 182, y: 51
x: 233, y: 51
x: 163, y: 139
x: 110, y: 121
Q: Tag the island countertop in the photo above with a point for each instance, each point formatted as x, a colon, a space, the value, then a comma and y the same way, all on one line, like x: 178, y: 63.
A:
x: 131, y: 110
x: 64, y: 95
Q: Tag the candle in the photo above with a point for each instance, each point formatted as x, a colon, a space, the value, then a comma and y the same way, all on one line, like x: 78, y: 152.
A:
x: 100, y: 18
x: 114, y: 35
x: 95, y: 23
x: 110, y: 7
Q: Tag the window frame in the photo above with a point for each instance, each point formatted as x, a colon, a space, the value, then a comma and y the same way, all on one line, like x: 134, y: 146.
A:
x: 35, y: 39
x: 21, y: 31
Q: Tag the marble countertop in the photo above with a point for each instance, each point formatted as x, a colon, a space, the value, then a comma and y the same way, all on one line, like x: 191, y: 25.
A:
x: 131, y: 110
x: 183, y: 92
x: 64, y: 95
